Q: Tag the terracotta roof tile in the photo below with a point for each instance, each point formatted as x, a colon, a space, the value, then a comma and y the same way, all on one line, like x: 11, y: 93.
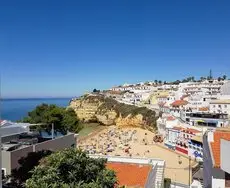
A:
x: 170, y: 118
x: 192, y: 131
x: 177, y: 128
x: 215, y: 146
x: 130, y: 174
x: 204, y: 109
x: 179, y: 103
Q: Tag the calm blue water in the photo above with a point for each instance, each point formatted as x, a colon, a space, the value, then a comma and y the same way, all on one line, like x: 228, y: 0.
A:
x: 16, y: 109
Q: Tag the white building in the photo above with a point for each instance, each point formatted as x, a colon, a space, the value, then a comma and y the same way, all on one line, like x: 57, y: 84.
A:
x: 172, y: 135
x: 216, y: 165
x: 195, y: 148
x: 220, y: 106
x: 166, y: 122
x: 177, y: 107
x: 140, y: 87
x: 225, y: 89
x: 206, y: 119
x: 185, y: 136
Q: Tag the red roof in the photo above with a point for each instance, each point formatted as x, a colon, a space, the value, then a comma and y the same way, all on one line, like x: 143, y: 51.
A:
x: 179, y: 103
x: 170, y: 118
x: 191, y: 131
x: 130, y: 174
x: 215, y: 146
x: 177, y: 128
x: 203, y: 109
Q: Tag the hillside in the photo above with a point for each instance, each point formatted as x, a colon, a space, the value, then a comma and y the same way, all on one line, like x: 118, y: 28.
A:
x: 107, y: 111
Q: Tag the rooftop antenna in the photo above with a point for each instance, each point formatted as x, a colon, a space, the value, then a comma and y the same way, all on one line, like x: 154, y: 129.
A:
x: 210, y: 74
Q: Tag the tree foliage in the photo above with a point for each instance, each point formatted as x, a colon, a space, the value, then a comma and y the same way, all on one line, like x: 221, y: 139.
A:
x: 96, y: 91
x: 63, y: 119
x: 21, y: 174
x: 224, y: 77
x: 71, y: 168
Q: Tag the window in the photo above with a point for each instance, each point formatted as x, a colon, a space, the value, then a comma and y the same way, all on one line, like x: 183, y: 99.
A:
x: 214, y: 106
x: 225, y: 106
x: 219, y: 106
x: 3, y: 173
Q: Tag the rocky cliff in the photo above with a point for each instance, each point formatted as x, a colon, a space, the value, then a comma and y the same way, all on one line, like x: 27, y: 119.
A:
x: 107, y: 111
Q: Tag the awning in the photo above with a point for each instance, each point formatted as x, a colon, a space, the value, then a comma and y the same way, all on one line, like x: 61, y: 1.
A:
x: 212, y: 121
x: 200, y: 121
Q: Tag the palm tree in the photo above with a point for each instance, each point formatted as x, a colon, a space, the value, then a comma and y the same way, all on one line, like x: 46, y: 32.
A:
x: 224, y: 77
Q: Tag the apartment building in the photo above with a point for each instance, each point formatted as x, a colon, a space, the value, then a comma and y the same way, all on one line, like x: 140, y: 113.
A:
x: 220, y: 106
x: 195, y: 148
x: 183, y: 139
x: 16, y: 146
x: 177, y: 106
x: 206, y: 119
x: 165, y: 122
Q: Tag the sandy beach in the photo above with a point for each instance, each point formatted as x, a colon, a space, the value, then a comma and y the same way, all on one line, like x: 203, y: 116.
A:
x: 137, y: 142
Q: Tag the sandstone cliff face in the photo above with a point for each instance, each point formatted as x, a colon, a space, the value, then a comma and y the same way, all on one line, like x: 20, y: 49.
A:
x: 109, y: 112
x: 85, y: 109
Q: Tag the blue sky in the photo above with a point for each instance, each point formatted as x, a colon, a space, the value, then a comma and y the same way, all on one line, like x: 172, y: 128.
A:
x: 65, y: 48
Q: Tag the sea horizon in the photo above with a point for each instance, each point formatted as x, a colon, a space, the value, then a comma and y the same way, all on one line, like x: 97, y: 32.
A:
x: 34, y: 98
x: 14, y: 109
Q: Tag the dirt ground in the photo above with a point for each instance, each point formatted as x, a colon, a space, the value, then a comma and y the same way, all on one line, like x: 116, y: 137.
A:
x: 137, y: 142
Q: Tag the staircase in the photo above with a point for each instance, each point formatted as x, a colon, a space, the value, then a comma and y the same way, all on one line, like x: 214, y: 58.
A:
x: 159, y: 181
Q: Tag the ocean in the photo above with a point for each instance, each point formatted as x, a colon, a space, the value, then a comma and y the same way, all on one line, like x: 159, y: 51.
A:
x: 16, y: 109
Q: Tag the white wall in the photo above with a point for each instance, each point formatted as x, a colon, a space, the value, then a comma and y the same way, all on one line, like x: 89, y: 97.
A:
x: 225, y: 155
x: 217, y: 108
x: 191, y: 152
x: 218, y: 182
x: 172, y: 136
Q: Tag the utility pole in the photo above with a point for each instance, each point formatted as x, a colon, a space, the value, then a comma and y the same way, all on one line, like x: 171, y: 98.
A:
x: 189, y: 178
x: 52, y: 131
